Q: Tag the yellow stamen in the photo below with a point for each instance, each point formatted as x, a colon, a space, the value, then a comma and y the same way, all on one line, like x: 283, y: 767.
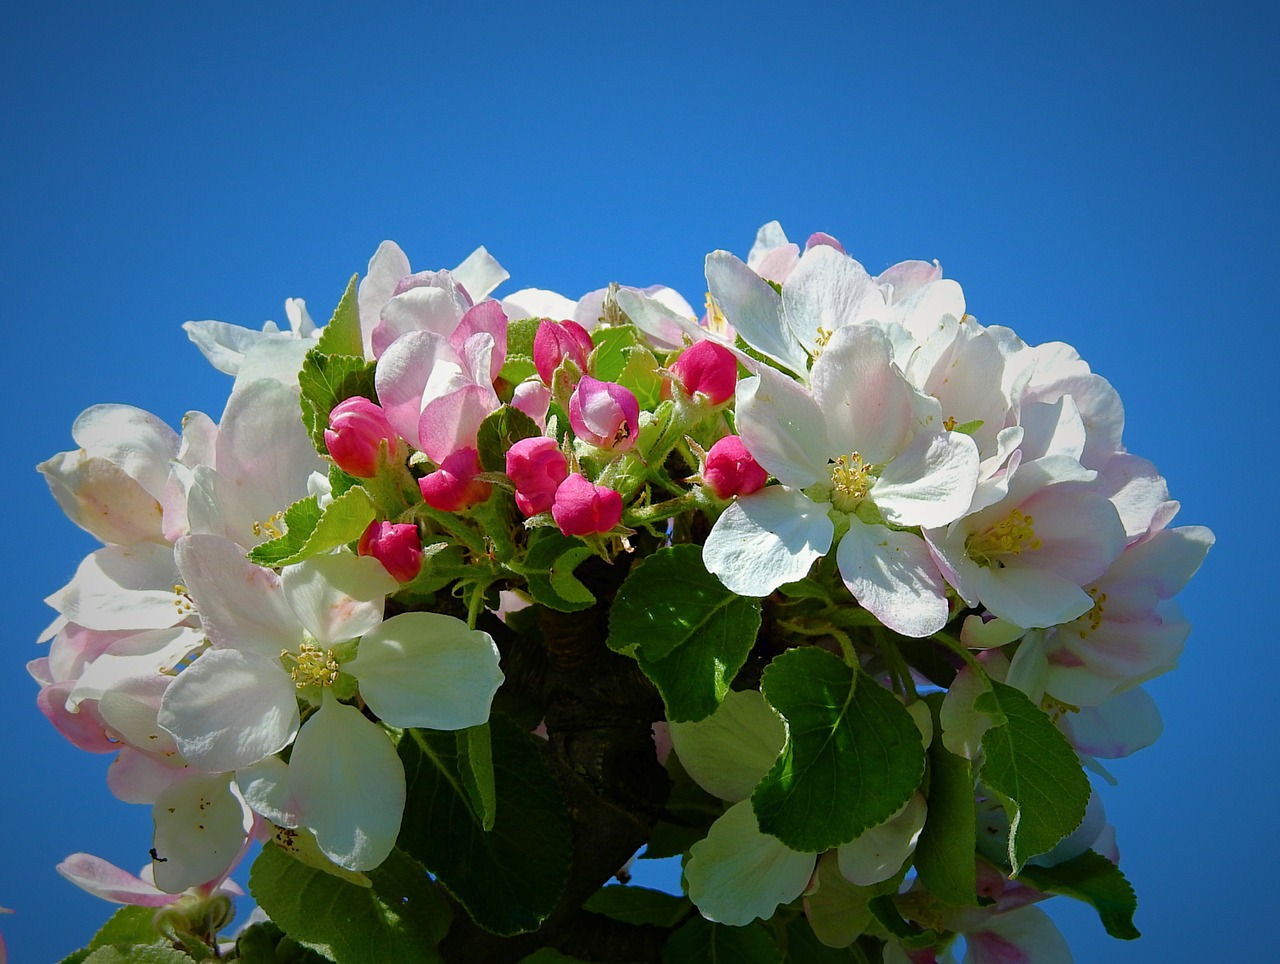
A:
x: 949, y: 423
x: 851, y: 481
x: 1009, y: 537
x: 716, y: 321
x: 313, y: 666
x: 270, y: 528
x: 1090, y: 621
x: 183, y: 601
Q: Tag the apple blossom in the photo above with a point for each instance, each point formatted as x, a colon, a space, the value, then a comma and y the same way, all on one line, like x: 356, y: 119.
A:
x: 396, y: 545
x: 537, y: 467
x: 582, y: 508
x: 358, y: 429
x: 604, y: 414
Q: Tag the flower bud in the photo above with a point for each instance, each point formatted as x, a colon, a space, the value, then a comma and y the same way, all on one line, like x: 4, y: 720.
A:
x: 357, y: 428
x: 709, y: 368
x: 557, y: 340
x: 731, y: 470
x: 454, y: 485
x: 534, y: 399
x: 582, y: 508
x: 604, y: 414
x: 537, y: 467
x: 396, y: 545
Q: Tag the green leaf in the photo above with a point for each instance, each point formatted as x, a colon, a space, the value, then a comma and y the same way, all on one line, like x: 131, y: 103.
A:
x: 638, y: 905
x: 265, y: 943
x: 689, y: 634
x: 402, y: 917
x: 159, y: 953
x: 640, y: 376
x: 311, y: 531
x: 326, y: 380
x: 342, y: 335
x: 968, y: 428
x: 610, y: 356
x: 945, y: 853
x: 548, y: 570
x: 128, y: 925
x: 498, y: 432
x: 1032, y: 770
x: 509, y: 878
x: 803, y: 946
x: 702, y: 942
x: 909, y: 935
x: 549, y: 955
x: 1095, y: 880
x: 475, y: 763
x: 519, y: 362
x: 853, y: 754
x: 839, y: 910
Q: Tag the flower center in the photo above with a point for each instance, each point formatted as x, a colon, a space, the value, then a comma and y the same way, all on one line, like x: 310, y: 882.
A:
x: 271, y: 527
x: 1008, y: 537
x: 716, y: 321
x: 1090, y: 621
x: 851, y: 481
x: 312, y: 666
x: 182, y: 601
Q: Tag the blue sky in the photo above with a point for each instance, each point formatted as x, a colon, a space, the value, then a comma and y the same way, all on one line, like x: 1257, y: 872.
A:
x: 1097, y: 173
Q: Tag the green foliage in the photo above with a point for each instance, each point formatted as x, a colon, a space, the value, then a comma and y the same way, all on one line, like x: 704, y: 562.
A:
x: 325, y: 381
x: 402, y: 917
x: 1095, y: 880
x: 158, y: 953
x: 689, y: 633
x: 498, y: 432
x: 508, y: 878
x: 944, y: 855
x: 475, y: 766
x: 341, y: 336
x: 519, y: 362
x: 265, y: 943
x: 852, y: 758
x: 702, y: 942
x: 548, y: 570
x: 127, y: 927
x: 639, y: 905
x: 1033, y: 771
x: 310, y: 531
x: 610, y: 356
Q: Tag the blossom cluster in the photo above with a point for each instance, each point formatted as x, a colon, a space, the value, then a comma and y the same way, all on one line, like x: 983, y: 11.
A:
x: 832, y: 518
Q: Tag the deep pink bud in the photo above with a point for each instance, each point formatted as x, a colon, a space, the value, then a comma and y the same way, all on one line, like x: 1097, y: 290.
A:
x: 604, y: 414
x: 454, y: 485
x: 396, y: 545
x: 821, y: 237
x: 557, y: 340
x: 583, y: 508
x: 537, y: 467
x: 730, y: 469
x: 709, y: 368
x: 357, y: 427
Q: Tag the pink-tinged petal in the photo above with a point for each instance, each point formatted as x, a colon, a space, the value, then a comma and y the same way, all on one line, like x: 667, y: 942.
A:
x: 766, y: 540
x: 1124, y: 724
x: 345, y: 773
x: 929, y: 483
x: 707, y: 368
x: 557, y: 341
x: 1022, y: 936
x: 665, y: 327
x: 357, y: 435
x: 534, y: 399
x: 821, y: 237
x: 1052, y: 429
x: 827, y: 291
x: 479, y: 274
x: 242, y: 606
x: 451, y: 422
x: 1137, y: 490
x: 428, y: 669
x: 782, y: 427
x: 396, y: 545
x: 130, y: 709
x: 605, y: 414
x: 908, y: 276
x: 737, y: 874
x: 387, y: 266
x: 75, y: 647
x: 537, y: 467
x: 142, y: 655
x: 83, y: 728
x: 106, y: 880
x: 202, y: 830
x: 402, y: 375
x: 754, y: 309
x: 1166, y: 561
x: 893, y: 577
x: 101, y: 498
x: 426, y: 308
x: 867, y: 405
x: 136, y: 777
x: 137, y: 441
x: 485, y: 318
x: 121, y: 587
x: 338, y: 596
x: 769, y: 237
x: 582, y: 508
x: 1080, y: 532
x: 230, y: 709
x: 730, y: 470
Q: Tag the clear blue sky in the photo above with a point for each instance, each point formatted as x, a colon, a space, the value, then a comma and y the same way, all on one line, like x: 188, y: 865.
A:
x: 1099, y: 173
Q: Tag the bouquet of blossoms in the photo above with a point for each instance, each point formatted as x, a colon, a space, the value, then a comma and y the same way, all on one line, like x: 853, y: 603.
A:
x: 466, y: 600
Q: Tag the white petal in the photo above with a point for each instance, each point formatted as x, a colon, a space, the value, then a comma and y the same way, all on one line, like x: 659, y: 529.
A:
x: 202, y: 827
x: 427, y: 669
x: 137, y: 441
x: 930, y: 483
x: 754, y: 309
x: 731, y: 750
x: 266, y: 788
x: 139, y: 657
x: 338, y: 596
x: 878, y: 853
x: 782, y: 427
x: 402, y: 374
x: 736, y: 873
x: 1122, y: 725
x: 222, y: 344
x: 387, y: 266
x: 230, y: 709
x: 349, y: 782
x: 665, y: 327
x: 767, y: 539
x: 122, y: 587
x: 894, y: 578
x: 1034, y: 598
x: 828, y: 290
x: 537, y: 303
x: 479, y: 274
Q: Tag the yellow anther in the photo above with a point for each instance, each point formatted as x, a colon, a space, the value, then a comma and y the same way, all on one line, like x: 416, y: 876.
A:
x: 1090, y: 621
x: 851, y: 481
x: 949, y: 423
x: 716, y: 321
x: 183, y: 601
x: 1056, y: 708
x: 313, y: 666
x: 1010, y: 537
x: 270, y: 528
x: 821, y: 337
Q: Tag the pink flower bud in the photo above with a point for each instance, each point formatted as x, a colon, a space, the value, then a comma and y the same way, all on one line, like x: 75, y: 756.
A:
x: 357, y: 427
x: 709, y: 368
x: 454, y: 485
x: 730, y: 469
x: 396, y: 545
x: 582, y: 508
x: 537, y: 467
x: 821, y: 237
x: 604, y: 414
x: 557, y: 340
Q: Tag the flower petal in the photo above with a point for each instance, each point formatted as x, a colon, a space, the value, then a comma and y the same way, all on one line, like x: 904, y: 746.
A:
x: 781, y: 425
x: 730, y: 751
x: 338, y: 596
x: 767, y: 539
x: 202, y: 829
x: 754, y: 309
x: 893, y: 577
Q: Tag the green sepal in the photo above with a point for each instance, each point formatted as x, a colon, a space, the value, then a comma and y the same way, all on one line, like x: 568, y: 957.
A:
x: 311, y: 531
x: 1095, y: 880
x: 326, y: 380
x: 402, y: 917
x: 341, y: 336
x: 1033, y: 771
x: 853, y: 754
x: 509, y: 878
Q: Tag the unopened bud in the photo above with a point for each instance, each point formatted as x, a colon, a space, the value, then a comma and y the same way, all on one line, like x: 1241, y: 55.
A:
x: 357, y: 429
x: 557, y: 340
x: 582, y: 508
x: 537, y: 467
x: 454, y: 485
x: 604, y: 414
x: 731, y: 470
x: 396, y: 545
x: 708, y: 368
